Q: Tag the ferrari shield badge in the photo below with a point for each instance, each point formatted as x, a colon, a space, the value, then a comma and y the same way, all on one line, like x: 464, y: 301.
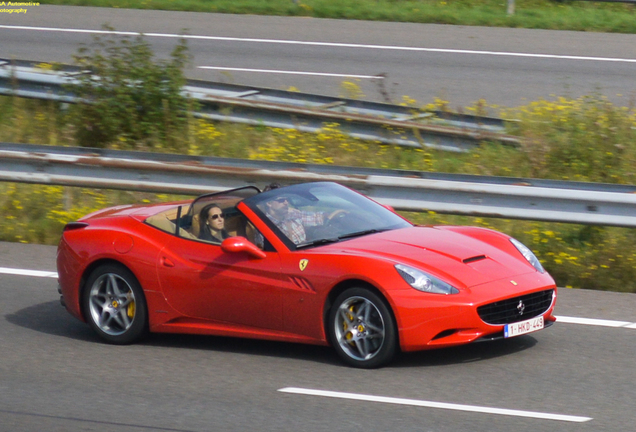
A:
x: 303, y: 264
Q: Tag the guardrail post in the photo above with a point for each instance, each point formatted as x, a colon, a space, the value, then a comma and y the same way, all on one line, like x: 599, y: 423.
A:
x: 68, y: 199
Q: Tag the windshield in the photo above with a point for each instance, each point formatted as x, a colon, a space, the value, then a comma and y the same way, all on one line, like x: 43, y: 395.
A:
x: 312, y: 214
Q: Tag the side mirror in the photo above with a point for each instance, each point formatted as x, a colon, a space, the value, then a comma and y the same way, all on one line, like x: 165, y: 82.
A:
x: 388, y: 207
x: 241, y: 244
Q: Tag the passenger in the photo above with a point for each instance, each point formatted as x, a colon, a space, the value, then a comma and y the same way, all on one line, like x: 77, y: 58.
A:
x: 212, y: 224
x: 291, y: 221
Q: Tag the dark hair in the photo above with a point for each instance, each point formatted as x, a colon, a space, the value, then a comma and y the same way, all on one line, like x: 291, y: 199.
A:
x: 272, y: 186
x: 205, y: 211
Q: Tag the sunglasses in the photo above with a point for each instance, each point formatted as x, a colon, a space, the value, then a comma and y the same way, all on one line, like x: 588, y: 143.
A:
x: 281, y: 199
x: 216, y: 216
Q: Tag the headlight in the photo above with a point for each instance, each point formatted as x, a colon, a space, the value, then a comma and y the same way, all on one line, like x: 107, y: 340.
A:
x: 527, y: 254
x: 424, y: 282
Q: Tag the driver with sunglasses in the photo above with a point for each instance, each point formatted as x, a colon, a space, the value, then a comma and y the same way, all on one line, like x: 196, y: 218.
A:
x: 213, y: 224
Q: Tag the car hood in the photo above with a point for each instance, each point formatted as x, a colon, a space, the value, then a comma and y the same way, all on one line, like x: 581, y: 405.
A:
x: 456, y: 256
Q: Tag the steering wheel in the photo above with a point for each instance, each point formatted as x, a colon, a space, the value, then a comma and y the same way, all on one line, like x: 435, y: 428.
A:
x: 337, y: 218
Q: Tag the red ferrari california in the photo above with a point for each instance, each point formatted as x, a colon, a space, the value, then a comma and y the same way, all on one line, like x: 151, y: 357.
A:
x: 314, y: 263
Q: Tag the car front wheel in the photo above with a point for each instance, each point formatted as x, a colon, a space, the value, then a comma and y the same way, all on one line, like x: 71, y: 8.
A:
x: 114, y: 305
x: 361, y: 329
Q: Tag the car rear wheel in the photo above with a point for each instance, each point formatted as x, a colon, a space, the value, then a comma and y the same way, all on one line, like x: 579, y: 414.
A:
x: 114, y: 305
x: 361, y: 329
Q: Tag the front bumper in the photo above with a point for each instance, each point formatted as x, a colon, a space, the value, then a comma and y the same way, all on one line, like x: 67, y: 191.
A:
x: 429, y: 321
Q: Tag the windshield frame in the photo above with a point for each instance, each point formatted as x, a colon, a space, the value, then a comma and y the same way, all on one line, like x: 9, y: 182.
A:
x: 187, y: 217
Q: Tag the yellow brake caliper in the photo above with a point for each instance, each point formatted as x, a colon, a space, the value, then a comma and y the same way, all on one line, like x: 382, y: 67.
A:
x: 350, y: 317
x: 131, y: 309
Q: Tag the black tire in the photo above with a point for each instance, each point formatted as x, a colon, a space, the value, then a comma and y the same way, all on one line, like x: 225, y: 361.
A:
x: 114, y: 305
x: 362, y: 329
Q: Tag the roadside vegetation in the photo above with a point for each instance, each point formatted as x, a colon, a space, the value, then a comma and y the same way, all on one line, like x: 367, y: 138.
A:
x: 585, y: 139
x: 535, y: 14
x: 133, y: 98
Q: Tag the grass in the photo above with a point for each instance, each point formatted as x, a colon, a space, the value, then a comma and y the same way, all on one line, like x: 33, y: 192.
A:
x: 535, y: 14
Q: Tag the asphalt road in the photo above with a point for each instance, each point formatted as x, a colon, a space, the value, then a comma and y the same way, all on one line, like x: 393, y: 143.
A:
x: 55, y: 375
x: 508, y: 67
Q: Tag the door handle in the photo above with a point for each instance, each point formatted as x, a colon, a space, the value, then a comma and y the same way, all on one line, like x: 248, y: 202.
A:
x: 166, y: 262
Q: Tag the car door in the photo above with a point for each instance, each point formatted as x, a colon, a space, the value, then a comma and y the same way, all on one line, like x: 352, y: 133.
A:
x: 201, y: 281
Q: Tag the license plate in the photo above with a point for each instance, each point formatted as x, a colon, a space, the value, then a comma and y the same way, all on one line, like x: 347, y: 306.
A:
x: 523, y: 327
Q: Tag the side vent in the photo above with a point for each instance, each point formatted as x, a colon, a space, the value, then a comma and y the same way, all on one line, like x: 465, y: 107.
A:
x: 302, y: 284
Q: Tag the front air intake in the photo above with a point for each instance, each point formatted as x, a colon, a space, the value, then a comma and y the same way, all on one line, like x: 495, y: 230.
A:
x: 516, y: 309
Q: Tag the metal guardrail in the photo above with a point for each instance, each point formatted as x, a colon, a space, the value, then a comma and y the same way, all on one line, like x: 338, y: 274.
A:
x: 514, y: 198
x: 385, y: 123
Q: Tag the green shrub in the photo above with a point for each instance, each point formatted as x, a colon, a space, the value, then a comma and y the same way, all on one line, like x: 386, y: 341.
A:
x: 583, y: 139
x: 130, y: 100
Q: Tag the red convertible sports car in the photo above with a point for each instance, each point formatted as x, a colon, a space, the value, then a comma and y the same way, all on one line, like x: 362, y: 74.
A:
x: 314, y: 263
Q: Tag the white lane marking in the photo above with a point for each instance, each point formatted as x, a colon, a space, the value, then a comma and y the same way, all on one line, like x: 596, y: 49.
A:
x: 22, y: 272
x: 291, y: 72
x: 595, y: 322
x: 326, y: 44
x: 441, y: 405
